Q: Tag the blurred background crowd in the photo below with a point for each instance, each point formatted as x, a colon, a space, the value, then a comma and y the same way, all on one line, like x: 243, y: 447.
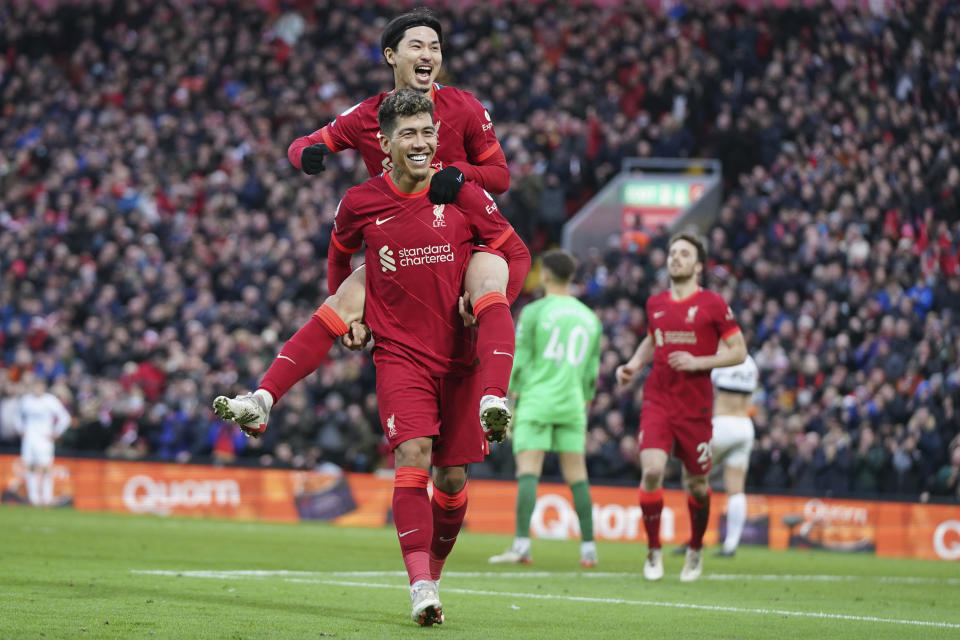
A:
x: 157, y: 248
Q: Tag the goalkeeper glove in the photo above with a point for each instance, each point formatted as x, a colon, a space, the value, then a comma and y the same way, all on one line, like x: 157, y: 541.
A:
x: 445, y: 185
x: 311, y: 158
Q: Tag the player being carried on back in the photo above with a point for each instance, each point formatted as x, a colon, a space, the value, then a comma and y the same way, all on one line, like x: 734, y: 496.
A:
x: 467, y: 150
x: 686, y: 325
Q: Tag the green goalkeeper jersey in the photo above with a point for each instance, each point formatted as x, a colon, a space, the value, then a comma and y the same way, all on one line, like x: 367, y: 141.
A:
x: 556, y: 361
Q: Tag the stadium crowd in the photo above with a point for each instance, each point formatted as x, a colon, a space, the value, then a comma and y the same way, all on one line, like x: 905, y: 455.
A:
x: 156, y: 247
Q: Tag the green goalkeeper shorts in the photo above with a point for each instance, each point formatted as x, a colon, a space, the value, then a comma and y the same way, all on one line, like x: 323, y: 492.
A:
x: 540, y: 436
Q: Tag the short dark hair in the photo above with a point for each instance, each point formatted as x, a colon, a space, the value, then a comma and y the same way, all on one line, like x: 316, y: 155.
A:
x: 401, y: 103
x: 560, y: 263
x: 393, y: 32
x: 696, y: 241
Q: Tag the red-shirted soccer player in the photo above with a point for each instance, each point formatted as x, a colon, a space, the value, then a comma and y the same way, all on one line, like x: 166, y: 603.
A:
x: 690, y: 331
x: 467, y: 149
x: 417, y: 253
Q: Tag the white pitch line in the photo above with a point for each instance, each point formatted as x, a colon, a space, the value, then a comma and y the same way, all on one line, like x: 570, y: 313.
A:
x: 301, y: 577
x: 650, y: 603
x: 722, y: 577
x: 773, y: 577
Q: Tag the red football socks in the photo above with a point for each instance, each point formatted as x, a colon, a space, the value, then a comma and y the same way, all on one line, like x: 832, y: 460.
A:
x: 303, y: 353
x: 414, y: 522
x: 699, y: 517
x: 651, y: 504
x: 449, y: 510
x: 496, y: 340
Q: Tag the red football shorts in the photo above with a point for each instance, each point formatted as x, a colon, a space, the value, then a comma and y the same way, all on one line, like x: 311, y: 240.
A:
x: 415, y: 404
x: 687, y: 437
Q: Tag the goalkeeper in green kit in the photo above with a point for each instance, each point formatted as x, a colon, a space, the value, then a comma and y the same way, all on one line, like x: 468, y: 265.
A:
x: 554, y: 378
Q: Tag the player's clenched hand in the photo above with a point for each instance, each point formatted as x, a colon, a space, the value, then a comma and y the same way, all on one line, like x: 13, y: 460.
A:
x: 469, y: 320
x: 311, y: 158
x: 625, y: 375
x: 683, y: 361
x: 357, y: 337
x: 445, y: 185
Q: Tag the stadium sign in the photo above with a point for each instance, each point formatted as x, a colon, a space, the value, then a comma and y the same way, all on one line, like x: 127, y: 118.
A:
x: 555, y: 518
x: 886, y: 529
x: 143, y: 494
x: 946, y: 540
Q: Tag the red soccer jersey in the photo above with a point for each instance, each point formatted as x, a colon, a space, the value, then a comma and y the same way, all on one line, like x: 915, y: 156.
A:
x: 416, y: 256
x: 695, y: 325
x: 464, y: 130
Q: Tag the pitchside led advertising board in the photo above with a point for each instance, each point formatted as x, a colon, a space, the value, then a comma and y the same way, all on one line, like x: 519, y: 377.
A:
x: 890, y: 529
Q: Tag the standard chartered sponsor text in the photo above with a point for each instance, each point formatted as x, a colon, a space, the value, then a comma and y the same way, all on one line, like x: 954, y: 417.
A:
x: 431, y: 254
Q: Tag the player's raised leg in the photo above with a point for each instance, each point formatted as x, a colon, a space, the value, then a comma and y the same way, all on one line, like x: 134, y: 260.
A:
x: 299, y: 356
x: 486, y: 283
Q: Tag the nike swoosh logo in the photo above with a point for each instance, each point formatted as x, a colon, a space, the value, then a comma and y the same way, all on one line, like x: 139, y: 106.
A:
x: 287, y: 358
x: 379, y: 221
x: 502, y: 353
x: 406, y: 533
x: 442, y: 539
x: 657, y: 314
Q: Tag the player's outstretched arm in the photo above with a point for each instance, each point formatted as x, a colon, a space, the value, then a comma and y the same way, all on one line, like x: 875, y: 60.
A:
x: 491, y: 172
x: 308, y: 152
x: 486, y: 164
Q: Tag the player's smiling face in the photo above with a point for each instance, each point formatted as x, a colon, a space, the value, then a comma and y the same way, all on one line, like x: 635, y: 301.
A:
x: 682, y: 261
x: 416, y: 61
x: 412, y: 146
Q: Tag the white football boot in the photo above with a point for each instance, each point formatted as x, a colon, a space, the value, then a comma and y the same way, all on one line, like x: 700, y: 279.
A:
x: 427, y: 609
x: 692, y: 565
x: 495, y: 417
x: 250, y: 410
x: 653, y: 567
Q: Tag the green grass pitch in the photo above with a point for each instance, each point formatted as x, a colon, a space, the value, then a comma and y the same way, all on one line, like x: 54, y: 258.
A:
x: 67, y: 574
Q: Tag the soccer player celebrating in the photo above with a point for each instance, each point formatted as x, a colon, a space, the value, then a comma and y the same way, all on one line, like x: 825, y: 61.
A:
x: 690, y: 331
x: 467, y: 150
x: 423, y: 353
x: 554, y: 378
x: 732, y: 441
